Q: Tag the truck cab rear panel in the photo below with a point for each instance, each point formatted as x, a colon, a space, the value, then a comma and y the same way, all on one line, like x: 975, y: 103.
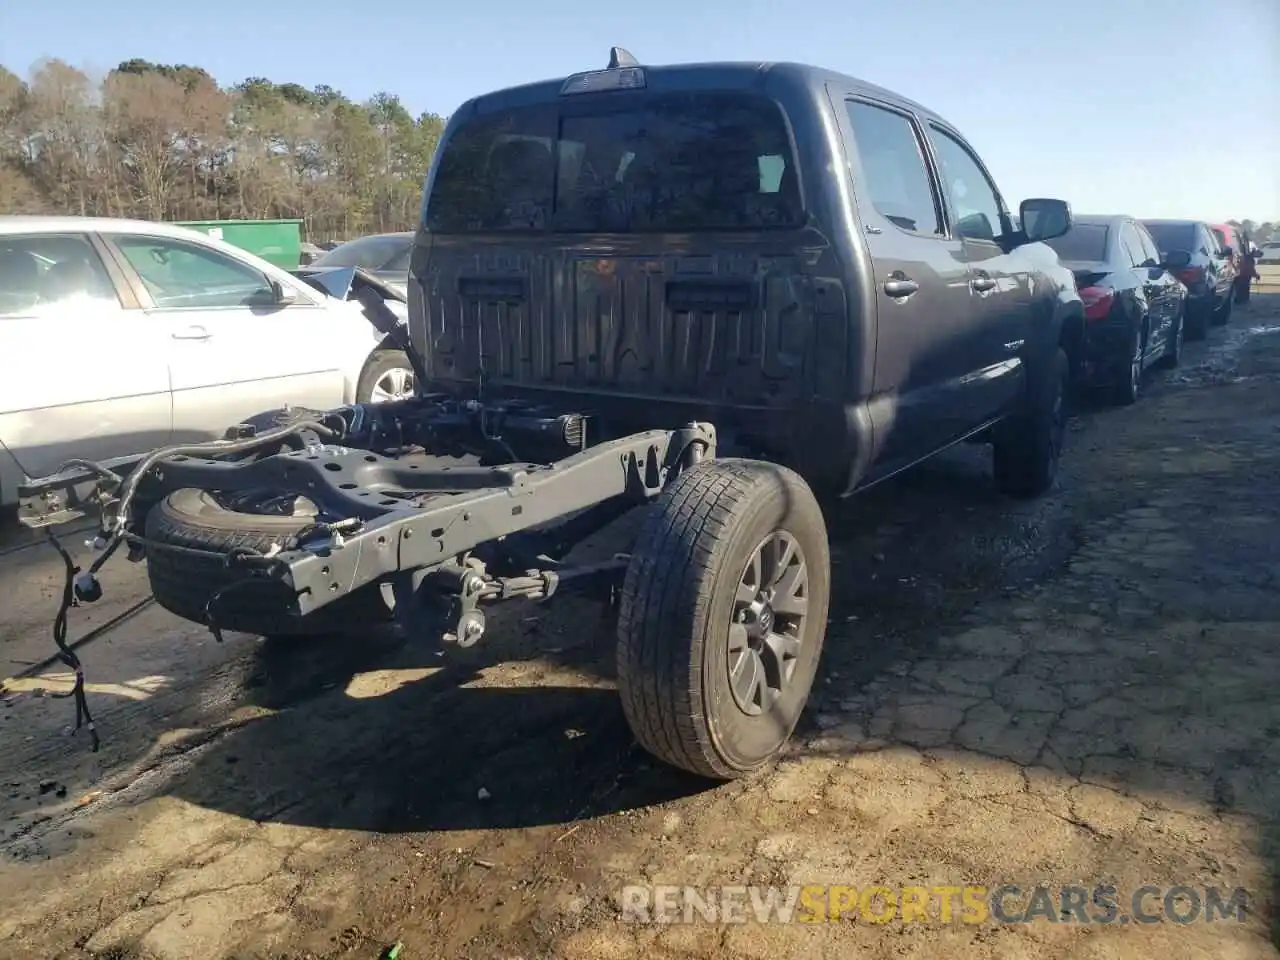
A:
x: 605, y: 284
x: 633, y: 319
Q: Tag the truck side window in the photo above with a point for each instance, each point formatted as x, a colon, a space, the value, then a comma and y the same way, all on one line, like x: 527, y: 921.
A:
x: 976, y: 205
x: 894, y: 176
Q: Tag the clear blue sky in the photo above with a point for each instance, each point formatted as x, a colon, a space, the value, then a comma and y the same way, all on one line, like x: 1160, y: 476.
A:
x: 1134, y: 106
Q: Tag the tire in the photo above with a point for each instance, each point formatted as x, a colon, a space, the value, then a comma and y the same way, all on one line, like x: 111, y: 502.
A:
x: 1173, y: 346
x: 1197, y: 319
x: 678, y: 632
x: 1027, y: 447
x: 185, y: 583
x: 1222, y: 316
x: 1129, y: 377
x: 385, y: 368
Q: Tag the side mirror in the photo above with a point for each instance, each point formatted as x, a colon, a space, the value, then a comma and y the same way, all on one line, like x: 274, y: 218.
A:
x: 1177, y: 260
x: 281, y: 295
x: 1043, y: 218
x: 1227, y: 251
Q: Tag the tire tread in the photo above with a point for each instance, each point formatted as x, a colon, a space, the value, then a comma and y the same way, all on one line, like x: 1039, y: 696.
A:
x: 665, y: 602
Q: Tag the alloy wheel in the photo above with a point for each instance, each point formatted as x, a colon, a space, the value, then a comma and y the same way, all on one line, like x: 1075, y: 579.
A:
x: 767, y: 625
x: 395, y: 384
x: 1132, y: 387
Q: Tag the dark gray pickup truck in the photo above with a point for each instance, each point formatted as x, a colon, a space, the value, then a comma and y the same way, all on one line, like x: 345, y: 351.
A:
x: 717, y: 293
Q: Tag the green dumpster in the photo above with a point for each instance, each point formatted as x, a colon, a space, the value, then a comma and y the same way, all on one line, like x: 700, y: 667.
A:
x: 279, y: 242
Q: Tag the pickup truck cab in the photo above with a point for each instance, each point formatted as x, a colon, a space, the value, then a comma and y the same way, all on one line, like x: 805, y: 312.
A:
x: 824, y: 269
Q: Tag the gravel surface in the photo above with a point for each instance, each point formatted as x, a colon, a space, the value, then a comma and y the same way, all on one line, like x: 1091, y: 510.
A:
x: 1078, y: 691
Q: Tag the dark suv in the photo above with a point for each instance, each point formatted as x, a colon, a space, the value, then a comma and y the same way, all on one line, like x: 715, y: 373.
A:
x: 824, y: 269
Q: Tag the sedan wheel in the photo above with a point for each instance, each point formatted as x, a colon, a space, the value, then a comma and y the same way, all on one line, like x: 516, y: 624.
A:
x: 1131, y: 385
x: 1224, y: 314
x: 388, y: 376
x: 396, y: 384
x: 1177, y: 337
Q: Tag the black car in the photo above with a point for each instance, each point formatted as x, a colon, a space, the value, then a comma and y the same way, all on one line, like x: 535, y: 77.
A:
x: 1208, y: 275
x: 1134, y: 305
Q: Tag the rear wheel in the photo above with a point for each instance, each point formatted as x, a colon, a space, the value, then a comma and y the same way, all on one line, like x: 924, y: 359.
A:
x: 1197, y: 319
x: 723, y: 616
x: 1026, y: 448
x: 192, y: 585
x: 1173, y: 346
x: 1129, y: 384
x: 1223, y: 314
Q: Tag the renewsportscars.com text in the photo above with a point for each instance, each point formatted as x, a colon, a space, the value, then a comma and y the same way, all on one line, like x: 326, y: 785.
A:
x: 968, y: 904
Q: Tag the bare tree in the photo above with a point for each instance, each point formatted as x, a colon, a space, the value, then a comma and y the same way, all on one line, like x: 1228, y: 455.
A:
x: 164, y: 142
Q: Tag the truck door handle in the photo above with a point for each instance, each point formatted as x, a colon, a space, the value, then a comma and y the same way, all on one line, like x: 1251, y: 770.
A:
x: 900, y: 287
x: 193, y: 332
x: 982, y: 284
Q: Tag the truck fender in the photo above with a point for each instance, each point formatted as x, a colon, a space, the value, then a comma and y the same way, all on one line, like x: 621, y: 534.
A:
x: 1061, y: 324
x: 1068, y: 329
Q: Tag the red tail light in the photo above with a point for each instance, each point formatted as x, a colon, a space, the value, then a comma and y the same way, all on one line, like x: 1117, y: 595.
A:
x: 1191, y: 275
x: 1097, y: 302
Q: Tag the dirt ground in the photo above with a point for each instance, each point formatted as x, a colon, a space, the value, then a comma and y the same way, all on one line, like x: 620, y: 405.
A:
x: 1076, y: 691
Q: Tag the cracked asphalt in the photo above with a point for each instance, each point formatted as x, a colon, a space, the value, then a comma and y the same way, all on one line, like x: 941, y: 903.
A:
x: 1079, y: 691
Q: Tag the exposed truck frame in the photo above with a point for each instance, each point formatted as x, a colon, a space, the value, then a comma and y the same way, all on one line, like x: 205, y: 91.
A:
x: 440, y: 528
x: 429, y: 509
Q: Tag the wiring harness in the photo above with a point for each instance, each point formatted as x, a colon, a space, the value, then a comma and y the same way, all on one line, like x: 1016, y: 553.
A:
x: 82, y: 585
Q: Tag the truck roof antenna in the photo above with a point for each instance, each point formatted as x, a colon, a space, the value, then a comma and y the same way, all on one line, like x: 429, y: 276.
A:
x: 621, y: 57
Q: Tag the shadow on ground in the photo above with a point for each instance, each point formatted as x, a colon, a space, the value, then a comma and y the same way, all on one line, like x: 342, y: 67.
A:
x: 384, y: 735
x: 530, y: 714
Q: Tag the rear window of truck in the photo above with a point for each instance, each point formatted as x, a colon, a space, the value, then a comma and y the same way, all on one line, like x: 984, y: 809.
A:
x: 640, y: 163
